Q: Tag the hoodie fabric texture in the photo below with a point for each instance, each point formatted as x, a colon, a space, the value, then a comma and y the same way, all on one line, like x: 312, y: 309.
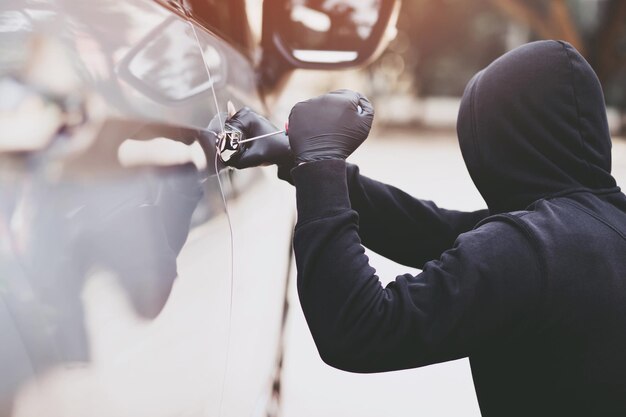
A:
x: 532, y: 290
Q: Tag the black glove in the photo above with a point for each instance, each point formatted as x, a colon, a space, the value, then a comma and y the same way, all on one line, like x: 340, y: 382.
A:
x: 268, y: 151
x: 331, y: 126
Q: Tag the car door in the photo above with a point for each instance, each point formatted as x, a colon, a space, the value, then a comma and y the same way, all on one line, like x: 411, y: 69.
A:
x: 139, y: 277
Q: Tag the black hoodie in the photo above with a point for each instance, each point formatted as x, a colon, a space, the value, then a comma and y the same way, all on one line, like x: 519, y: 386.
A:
x: 533, y: 290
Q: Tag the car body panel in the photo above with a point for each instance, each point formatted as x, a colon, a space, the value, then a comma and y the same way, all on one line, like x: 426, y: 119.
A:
x: 116, y: 251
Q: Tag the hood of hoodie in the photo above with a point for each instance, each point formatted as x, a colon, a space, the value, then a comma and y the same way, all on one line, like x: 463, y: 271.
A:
x: 532, y: 125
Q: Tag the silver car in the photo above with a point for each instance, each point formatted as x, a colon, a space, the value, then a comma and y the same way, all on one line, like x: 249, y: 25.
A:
x: 138, y: 275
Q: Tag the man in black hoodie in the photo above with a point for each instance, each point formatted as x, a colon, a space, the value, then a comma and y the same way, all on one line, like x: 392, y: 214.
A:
x: 532, y: 290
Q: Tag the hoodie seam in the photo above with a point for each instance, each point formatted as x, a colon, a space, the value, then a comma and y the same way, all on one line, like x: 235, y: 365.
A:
x: 565, y: 193
x: 583, y: 145
x: 595, y: 216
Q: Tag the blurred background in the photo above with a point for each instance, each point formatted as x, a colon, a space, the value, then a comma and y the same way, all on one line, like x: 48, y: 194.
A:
x: 440, y: 44
x: 416, y: 87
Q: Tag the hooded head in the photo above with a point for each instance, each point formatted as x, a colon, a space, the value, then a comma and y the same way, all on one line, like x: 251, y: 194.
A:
x: 533, y: 124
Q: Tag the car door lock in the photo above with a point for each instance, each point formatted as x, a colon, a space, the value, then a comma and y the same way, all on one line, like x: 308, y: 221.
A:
x: 228, y: 142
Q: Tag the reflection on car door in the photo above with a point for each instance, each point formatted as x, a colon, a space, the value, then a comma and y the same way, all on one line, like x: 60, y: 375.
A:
x: 115, y: 258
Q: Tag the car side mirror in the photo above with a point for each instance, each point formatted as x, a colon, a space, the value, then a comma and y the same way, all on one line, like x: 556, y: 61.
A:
x: 328, y: 34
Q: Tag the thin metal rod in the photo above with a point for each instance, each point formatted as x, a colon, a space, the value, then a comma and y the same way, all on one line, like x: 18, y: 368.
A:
x: 261, y: 137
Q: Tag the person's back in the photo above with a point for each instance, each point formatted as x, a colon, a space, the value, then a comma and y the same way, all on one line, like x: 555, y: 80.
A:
x: 570, y: 361
x: 533, y: 131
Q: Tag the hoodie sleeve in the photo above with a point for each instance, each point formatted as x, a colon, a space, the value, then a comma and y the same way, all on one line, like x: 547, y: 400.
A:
x: 481, y: 292
x: 400, y: 227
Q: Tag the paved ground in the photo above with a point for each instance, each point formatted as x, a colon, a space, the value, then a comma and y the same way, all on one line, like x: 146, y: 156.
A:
x: 428, y: 165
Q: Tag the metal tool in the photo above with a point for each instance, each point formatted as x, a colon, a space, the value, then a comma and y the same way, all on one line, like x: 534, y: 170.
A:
x: 228, y: 142
x: 267, y: 135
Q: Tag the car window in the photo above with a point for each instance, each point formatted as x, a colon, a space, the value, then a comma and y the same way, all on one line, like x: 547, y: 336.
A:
x: 168, y: 65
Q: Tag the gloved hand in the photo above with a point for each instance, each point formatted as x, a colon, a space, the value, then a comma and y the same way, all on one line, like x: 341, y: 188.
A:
x: 330, y: 126
x: 271, y: 150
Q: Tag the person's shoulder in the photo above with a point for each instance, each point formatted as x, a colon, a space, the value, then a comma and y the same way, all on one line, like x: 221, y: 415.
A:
x: 498, y: 246
x: 516, y: 219
x: 499, y: 233
x: 502, y: 235
x: 516, y: 223
x: 504, y: 222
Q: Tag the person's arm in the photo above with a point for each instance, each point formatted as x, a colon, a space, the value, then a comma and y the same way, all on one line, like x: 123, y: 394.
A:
x: 481, y: 292
x: 403, y: 228
x: 392, y: 223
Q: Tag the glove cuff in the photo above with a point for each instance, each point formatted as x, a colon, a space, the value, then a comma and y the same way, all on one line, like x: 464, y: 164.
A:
x: 321, y: 189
